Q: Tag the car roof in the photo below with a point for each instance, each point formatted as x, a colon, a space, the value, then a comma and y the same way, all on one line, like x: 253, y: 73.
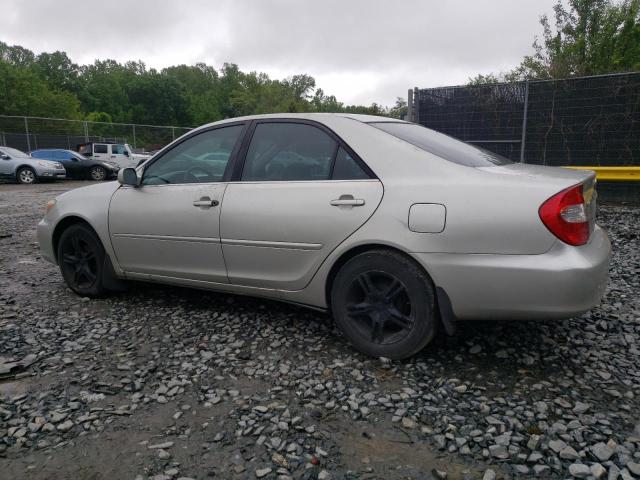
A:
x: 310, y: 116
x: 53, y: 150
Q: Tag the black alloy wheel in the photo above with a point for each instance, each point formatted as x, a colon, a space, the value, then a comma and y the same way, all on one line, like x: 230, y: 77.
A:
x: 379, y: 307
x: 81, y: 260
x: 384, y: 303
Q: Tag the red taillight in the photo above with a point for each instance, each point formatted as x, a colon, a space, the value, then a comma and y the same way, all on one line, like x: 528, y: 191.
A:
x: 565, y: 215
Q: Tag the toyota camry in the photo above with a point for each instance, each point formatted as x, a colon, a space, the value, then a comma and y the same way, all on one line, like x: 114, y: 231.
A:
x: 392, y: 227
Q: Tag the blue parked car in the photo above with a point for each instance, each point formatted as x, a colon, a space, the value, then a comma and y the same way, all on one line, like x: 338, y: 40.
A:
x: 78, y: 166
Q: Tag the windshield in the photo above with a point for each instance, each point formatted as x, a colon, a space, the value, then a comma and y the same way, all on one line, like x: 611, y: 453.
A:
x: 12, y: 152
x: 442, y: 145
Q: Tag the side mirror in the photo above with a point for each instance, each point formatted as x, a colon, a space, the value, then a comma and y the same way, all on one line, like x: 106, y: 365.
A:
x: 128, y: 176
x: 126, y: 152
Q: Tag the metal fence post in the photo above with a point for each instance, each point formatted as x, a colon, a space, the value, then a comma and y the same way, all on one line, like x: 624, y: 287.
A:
x: 409, y: 105
x: 86, y: 131
x: 523, y: 138
x: 134, y: 137
x: 26, y: 130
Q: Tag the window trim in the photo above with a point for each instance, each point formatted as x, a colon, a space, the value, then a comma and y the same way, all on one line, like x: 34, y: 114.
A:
x: 229, y: 167
x: 236, y: 176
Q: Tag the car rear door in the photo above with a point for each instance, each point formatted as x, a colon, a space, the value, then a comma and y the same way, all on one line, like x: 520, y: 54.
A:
x: 168, y: 227
x: 298, y: 194
x: 101, y: 152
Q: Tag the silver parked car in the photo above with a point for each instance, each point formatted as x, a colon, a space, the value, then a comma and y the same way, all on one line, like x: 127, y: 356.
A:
x: 19, y: 166
x: 394, y: 228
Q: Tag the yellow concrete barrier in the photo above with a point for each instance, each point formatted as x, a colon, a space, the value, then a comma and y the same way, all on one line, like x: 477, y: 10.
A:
x: 614, y: 174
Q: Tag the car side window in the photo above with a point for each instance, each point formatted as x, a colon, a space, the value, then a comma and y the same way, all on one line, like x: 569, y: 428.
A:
x: 282, y: 151
x: 347, y: 168
x: 202, y: 158
x: 100, y: 148
x: 117, y: 149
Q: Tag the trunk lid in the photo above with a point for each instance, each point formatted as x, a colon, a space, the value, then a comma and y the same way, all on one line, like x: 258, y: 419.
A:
x: 538, y: 173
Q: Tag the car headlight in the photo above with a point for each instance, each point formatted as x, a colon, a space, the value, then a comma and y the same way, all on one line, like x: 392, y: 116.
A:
x: 50, y: 204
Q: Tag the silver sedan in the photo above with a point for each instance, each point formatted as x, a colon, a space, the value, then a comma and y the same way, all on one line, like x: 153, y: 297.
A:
x: 24, y: 168
x: 394, y: 228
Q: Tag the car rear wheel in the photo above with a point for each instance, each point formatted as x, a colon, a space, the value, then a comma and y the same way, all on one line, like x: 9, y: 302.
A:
x: 97, y: 173
x: 81, y: 260
x: 384, y: 303
x: 26, y: 175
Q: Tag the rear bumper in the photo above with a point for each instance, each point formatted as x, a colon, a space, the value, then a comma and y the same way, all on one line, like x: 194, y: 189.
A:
x: 561, y: 283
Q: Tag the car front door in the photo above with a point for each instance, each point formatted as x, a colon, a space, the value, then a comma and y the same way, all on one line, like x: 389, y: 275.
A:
x: 301, y: 192
x: 168, y: 227
x: 7, y: 164
x: 70, y: 162
x: 120, y: 155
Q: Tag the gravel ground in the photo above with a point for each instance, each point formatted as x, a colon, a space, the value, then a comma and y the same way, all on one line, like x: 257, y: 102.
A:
x: 161, y: 382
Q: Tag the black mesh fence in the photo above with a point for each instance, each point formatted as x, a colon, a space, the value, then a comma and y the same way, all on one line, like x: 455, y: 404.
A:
x: 32, y: 133
x: 584, y: 121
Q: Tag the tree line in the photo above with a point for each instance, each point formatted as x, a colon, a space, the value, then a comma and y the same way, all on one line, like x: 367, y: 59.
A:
x: 587, y: 37
x: 52, y: 85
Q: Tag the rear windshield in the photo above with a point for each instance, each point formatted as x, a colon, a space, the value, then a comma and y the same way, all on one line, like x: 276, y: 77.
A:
x: 442, y: 145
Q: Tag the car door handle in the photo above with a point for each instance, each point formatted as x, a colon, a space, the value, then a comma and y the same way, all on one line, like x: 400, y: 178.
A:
x: 205, y: 202
x: 347, y: 201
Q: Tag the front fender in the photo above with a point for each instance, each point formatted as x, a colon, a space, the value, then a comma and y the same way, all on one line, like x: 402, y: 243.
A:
x: 88, y: 204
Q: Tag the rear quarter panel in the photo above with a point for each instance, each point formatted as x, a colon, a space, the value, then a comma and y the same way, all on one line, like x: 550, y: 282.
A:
x: 487, y: 211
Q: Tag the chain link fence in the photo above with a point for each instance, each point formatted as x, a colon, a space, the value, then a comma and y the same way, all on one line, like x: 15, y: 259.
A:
x: 31, y: 133
x: 587, y: 121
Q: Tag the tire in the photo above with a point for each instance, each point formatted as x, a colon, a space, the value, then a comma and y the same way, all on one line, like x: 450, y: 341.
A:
x: 26, y: 176
x: 384, y: 304
x: 97, y: 174
x: 81, y: 260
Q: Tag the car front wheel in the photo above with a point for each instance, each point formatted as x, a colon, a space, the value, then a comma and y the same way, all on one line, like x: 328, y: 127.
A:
x: 97, y: 174
x: 384, y: 304
x: 26, y: 175
x: 81, y: 260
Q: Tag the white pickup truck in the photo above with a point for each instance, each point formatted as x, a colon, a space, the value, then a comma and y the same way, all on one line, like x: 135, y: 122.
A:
x: 120, y: 153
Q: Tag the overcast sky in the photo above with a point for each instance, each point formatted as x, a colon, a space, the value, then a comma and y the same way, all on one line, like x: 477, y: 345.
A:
x: 362, y: 51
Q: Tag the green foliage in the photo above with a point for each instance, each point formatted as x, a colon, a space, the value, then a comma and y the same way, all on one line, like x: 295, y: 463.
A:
x: 22, y: 92
x: 588, y: 37
x: 50, y: 84
x: 400, y: 109
x: 99, y: 117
